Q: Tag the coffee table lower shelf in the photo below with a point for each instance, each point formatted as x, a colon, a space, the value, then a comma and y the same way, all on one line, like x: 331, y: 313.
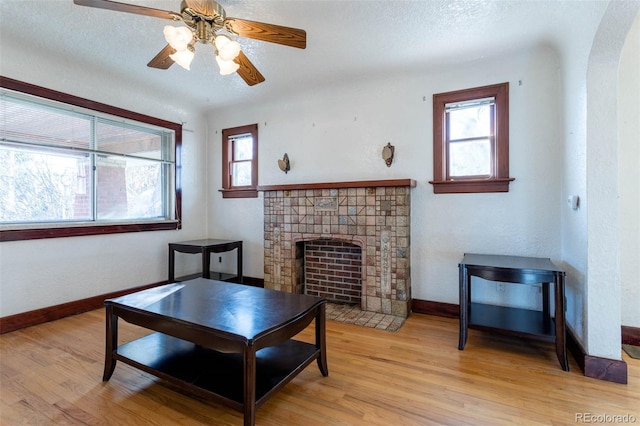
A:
x: 215, y: 375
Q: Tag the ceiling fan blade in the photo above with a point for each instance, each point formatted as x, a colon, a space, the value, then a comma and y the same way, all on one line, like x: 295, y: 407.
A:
x: 162, y: 60
x: 287, y: 36
x: 130, y: 8
x: 247, y: 70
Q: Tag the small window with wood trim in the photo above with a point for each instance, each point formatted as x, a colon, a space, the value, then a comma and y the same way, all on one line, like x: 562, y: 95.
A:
x: 240, y: 162
x: 471, y: 140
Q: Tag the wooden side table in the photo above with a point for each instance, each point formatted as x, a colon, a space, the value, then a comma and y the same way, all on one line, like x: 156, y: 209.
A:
x: 514, y: 321
x: 206, y: 247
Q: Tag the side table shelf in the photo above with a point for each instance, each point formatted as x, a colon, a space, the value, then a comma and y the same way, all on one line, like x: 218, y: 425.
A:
x: 205, y: 247
x: 514, y: 321
x: 213, y: 275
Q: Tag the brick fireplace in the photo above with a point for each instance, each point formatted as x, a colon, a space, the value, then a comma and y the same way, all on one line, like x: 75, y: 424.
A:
x: 372, y: 216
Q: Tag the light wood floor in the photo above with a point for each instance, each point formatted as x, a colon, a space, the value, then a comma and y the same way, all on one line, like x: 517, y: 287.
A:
x: 51, y: 374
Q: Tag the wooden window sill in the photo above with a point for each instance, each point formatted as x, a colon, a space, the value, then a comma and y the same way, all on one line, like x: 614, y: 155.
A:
x: 471, y: 186
x: 239, y: 193
x: 95, y: 228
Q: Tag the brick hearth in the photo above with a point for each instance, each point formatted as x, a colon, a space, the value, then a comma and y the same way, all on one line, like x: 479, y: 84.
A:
x: 373, y: 215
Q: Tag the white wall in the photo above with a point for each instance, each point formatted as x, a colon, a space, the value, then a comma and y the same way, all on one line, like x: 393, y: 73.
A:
x: 558, y: 150
x: 629, y: 175
x: 591, y: 245
x: 574, y: 54
x: 42, y: 273
x: 603, y: 220
x: 337, y: 134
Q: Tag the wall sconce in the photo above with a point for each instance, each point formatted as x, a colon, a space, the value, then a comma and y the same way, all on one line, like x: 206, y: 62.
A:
x: 387, y: 153
x: 284, y: 163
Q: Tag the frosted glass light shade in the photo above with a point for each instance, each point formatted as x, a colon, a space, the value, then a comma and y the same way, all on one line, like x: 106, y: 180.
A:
x: 226, y: 67
x: 178, y: 37
x: 227, y: 49
x: 183, y: 58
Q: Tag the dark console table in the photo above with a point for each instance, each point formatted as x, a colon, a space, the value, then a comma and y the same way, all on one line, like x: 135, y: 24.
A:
x: 228, y: 342
x: 514, y: 321
x: 206, y: 247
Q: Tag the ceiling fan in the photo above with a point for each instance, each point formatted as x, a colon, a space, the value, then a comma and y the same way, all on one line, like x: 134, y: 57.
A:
x: 206, y: 22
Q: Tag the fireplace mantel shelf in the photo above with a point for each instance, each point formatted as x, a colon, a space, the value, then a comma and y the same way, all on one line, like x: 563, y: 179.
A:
x: 328, y: 185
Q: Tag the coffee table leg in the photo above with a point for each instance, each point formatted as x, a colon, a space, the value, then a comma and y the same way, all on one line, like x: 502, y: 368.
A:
x: 321, y: 340
x: 249, y: 386
x: 111, y: 343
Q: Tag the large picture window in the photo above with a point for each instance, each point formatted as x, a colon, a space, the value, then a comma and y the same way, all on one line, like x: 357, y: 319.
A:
x: 471, y: 140
x: 67, y: 170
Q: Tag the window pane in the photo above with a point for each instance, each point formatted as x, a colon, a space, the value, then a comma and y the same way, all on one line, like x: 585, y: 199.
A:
x: 43, y: 186
x: 470, y: 122
x: 472, y: 158
x: 34, y: 123
x: 241, y: 173
x: 118, y: 138
x: 128, y: 188
x: 242, y: 148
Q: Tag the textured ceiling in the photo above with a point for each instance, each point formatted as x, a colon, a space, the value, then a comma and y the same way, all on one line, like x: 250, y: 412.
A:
x: 345, y: 40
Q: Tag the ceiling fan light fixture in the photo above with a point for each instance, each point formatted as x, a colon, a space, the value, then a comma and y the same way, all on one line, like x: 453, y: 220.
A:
x: 206, y: 22
x: 228, y: 49
x: 184, y: 57
x: 178, y: 37
x: 226, y: 67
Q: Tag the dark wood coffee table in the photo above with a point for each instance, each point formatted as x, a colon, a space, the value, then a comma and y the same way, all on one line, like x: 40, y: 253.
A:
x: 227, y: 342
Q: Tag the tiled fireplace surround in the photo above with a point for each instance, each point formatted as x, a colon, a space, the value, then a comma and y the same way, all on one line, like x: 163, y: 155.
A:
x: 374, y: 215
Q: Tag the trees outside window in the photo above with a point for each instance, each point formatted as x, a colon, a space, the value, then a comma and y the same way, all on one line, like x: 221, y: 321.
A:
x: 69, y: 170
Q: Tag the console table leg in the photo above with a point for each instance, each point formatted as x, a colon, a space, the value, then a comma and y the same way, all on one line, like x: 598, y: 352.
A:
x: 239, y: 264
x: 464, y: 305
x: 206, y: 263
x: 560, y: 321
x: 172, y: 260
x: 249, y: 386
x: 111, y: 345
x: 321, y: 340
